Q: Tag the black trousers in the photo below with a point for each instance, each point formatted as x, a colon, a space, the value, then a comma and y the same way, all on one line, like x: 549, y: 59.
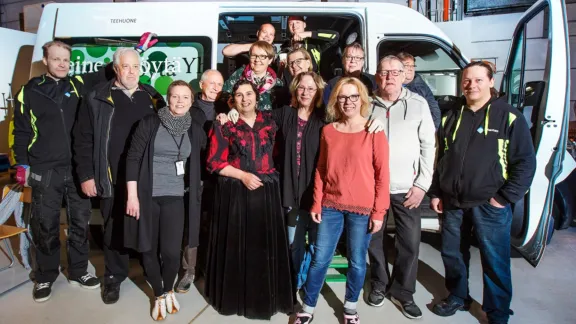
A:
x: 167, y: 222
x: 116, y: 256
x: 48, y: 189
x: 402, y: 284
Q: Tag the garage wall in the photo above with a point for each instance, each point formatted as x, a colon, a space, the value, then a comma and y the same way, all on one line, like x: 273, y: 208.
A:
x: 11, y: 10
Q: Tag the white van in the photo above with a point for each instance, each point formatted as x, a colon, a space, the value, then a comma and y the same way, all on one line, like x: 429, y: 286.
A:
x: 192, y: 35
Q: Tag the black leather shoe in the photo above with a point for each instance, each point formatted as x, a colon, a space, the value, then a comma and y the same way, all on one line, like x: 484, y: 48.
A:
x: 408, y: 308
x: 376, y: 298
x: 449, y: 307
x: 111, y: 293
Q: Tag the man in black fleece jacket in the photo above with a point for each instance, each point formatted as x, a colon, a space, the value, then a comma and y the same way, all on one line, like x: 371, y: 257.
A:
x: 106, y: 120
x: 486, y: 163
x: 46, y: 108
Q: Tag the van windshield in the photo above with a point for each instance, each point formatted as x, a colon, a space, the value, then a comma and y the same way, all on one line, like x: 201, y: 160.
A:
x: 170, y: 59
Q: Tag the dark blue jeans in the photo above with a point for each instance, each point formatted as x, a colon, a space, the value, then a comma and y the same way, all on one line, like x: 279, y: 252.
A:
x: 329, y: 231
x: 491, y: 226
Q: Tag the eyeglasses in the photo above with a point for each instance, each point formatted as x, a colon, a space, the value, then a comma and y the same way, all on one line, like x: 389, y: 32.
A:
x: 260, y: 57
x: 297, y: 62
x: 410, y: 66
x: 354, y: 58
x: 352, y: 98
x: 391, y: 72
x: 303, y: 90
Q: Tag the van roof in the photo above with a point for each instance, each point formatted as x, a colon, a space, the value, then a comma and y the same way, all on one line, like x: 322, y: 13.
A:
x: 131, y: 19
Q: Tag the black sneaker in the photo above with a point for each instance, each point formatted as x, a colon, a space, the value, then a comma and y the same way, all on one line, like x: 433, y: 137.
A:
x: 111, y: 293
x: 376, y: 298
x: 408, y: 308
x: 449, y: 307
x: 87, y: 280
x: 42, y: 291
x: 303, y: 318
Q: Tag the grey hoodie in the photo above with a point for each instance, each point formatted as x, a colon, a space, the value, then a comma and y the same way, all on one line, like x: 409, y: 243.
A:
x: 411, y: 136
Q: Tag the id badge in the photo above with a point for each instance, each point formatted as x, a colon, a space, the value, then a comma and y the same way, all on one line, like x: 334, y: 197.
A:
x: 179, y: 167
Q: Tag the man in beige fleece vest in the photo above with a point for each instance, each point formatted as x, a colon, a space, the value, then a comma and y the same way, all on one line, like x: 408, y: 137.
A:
x: 406, y: 119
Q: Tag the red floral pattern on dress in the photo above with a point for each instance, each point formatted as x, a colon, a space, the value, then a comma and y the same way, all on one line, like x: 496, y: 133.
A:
x: 243, y: 147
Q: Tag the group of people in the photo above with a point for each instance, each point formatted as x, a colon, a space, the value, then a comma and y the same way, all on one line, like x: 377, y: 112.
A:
x: 277, y: 178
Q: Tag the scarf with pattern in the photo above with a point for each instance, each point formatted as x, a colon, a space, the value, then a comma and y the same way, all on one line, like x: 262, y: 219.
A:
x: 264, y: 84
x: 176, y: 125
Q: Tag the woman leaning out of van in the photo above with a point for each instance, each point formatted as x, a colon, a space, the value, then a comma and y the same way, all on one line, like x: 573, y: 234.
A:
x: 298, y: 141
x: 351, y: 192
x: 248, y: 267
x: 164, y: 156
x: 259, y: 73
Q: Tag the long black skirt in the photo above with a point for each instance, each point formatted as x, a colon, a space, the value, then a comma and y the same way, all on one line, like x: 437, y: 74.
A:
x: 248, y: 266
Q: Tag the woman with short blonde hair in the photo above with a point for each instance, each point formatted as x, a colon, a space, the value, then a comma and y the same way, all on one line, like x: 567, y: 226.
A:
x: 332, y: 110
x: 351, y: 193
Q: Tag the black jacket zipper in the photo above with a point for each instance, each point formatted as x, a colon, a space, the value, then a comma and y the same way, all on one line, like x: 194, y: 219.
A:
x: 462, y: 160
x: 59, y: 105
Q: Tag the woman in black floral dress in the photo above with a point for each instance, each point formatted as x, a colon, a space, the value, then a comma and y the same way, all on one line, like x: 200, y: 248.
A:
x: 248, y: 268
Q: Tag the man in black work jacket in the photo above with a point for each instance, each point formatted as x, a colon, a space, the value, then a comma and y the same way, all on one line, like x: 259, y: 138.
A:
x: 45, y: 111
x: 107, y: 118
x: 315, y: 42
x: 486, y: 163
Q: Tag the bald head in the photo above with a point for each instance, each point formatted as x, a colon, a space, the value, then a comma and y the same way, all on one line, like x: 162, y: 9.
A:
x: 266, y: 33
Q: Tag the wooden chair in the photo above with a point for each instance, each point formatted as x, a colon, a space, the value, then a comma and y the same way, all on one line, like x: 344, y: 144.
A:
x: 6, y: 232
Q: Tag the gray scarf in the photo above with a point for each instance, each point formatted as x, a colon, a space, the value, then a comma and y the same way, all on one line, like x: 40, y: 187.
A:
x: 176, y: 126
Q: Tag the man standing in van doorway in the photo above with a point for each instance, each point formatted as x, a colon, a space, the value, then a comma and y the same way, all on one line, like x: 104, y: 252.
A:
x: 107, y: 118
x: 416, y: 84
x: 406, y: 119
x: 44, y: 115
x: 486, y: 163
x: 204, y: 110
x: 315, y: 42
x: 266, y: 33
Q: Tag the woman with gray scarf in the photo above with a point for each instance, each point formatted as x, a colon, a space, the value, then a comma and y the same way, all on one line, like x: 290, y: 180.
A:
x: 163, y: 159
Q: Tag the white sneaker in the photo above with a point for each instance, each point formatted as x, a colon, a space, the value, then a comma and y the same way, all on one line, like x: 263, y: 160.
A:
x: 172, y: 305
x: 159, y: 310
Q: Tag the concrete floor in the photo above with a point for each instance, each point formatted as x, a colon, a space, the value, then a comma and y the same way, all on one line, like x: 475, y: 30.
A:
x: 541, y: 296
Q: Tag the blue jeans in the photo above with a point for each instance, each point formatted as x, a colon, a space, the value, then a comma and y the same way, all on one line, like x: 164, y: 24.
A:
x: 491, y: 226
x: 329, y: 231
x: 301, y: 253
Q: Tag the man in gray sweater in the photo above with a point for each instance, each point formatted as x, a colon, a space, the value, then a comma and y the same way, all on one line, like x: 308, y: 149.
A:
x: 406, y: 119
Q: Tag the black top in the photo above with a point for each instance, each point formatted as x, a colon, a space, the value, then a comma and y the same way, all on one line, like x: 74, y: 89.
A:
x: 297, y: 191
x: 127, y: 113
x: 484, y: 154
x: 43, y: 118
x: 92, y: 133
x: 139, y: 163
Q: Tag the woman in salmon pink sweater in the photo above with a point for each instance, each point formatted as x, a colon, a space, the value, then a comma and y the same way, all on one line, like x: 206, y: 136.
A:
x: 351, y: 192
